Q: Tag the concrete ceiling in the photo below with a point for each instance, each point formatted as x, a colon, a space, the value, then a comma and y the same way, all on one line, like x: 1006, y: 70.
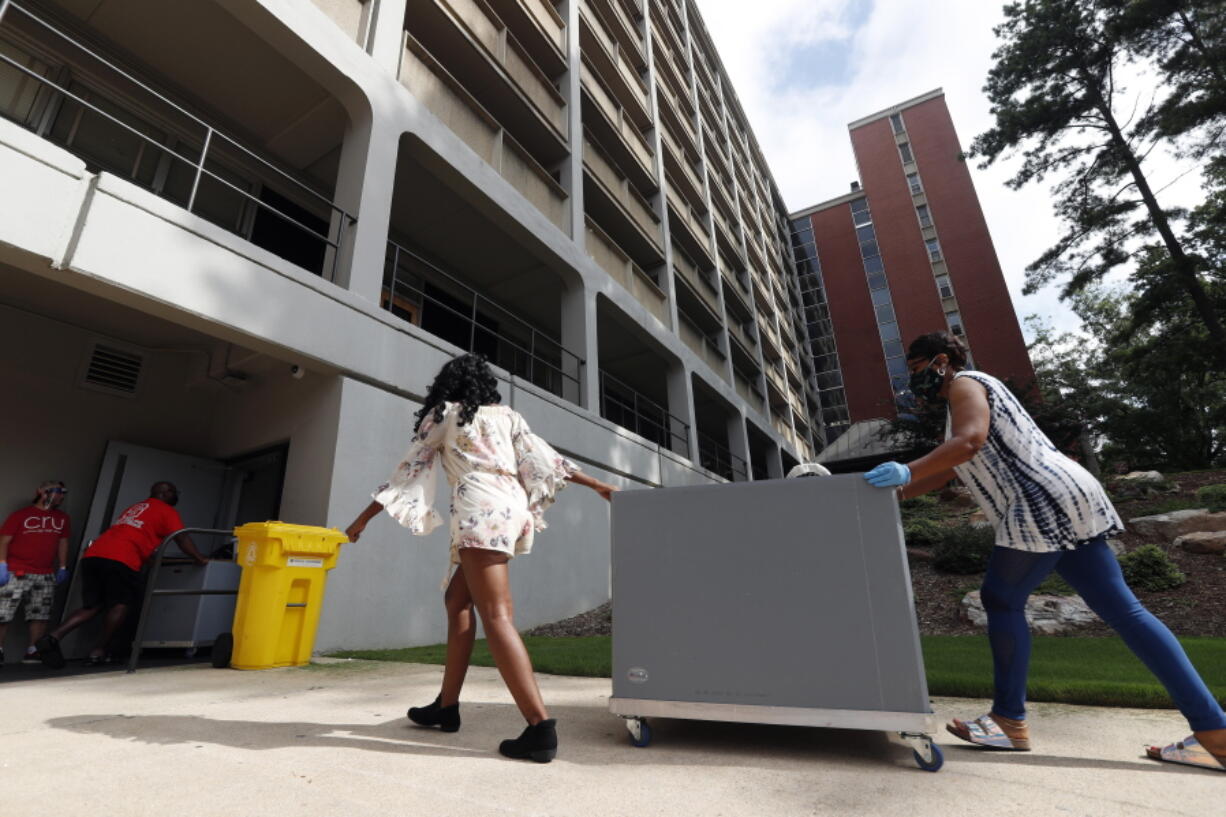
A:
x: 200, y: 53
x: 62, y: 304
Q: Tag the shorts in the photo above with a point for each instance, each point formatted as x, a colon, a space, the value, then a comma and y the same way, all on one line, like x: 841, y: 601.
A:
x: 38, y: 590
x: 106, y: 583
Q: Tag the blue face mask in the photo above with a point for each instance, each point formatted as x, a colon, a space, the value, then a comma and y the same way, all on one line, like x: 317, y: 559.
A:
x: 926, y: 384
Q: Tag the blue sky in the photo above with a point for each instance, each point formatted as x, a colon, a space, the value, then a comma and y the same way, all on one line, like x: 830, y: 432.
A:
x: 803, y: 69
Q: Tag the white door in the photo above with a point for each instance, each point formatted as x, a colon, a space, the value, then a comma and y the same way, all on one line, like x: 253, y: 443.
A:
x: 128, y: 472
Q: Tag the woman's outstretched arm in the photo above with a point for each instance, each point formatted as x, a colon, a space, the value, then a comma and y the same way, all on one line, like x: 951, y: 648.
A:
x: 358, y: 525
x: 603, y: 488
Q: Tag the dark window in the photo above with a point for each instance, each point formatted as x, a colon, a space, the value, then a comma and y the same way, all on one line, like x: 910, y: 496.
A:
x: 925, y: 219
x: 281, y: 237
x: 873, y: 264
x: 880, y: 296
x: 913, y: 181
x: 904, y: 150
x: 865, y: 233
x: 876, y: 280
x: 893, y: 348
x: 896, y: 122
x: 885, y: 313
x: 889, y: 331
x: 869, y: 248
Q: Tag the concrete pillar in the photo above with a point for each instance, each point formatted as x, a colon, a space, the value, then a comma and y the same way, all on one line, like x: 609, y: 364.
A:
x: 364, y: 188
x: 774, y: 462
x: 681, y: 406
x: 579, y: 336
x: 738, y: 442
x: 659, y: 202
x: 572, y: 167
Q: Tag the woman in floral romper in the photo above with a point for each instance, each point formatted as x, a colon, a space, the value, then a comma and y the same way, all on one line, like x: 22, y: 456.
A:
x: 502, y: 479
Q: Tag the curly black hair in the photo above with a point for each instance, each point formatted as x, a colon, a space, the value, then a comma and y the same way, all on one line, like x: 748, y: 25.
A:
x: 467, y: 380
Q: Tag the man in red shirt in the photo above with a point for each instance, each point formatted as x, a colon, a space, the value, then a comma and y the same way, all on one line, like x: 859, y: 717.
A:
x: 33, y: 555
x: 110, y: 569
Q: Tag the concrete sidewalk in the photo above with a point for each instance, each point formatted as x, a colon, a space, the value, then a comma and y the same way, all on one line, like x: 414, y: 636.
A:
x: 332, y: 740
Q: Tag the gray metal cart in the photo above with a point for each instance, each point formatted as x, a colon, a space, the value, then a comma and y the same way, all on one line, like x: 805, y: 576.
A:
x: 780, y: 601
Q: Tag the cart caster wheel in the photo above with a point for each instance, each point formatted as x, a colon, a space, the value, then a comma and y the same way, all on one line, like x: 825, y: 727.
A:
x: 938, y: 759
x: 223, y: 649
x: 640, y: 732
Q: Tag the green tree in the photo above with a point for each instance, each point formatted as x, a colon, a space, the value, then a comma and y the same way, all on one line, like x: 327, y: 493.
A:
x: 1144, y: 387
x: 1186, y: 41
x: 1054, y: 94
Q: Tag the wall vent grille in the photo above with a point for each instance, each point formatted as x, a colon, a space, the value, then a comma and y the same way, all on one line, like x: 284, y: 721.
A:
x: 113, y: 369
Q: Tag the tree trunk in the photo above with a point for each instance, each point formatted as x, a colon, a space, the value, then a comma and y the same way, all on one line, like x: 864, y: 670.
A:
x: 1185, y: 269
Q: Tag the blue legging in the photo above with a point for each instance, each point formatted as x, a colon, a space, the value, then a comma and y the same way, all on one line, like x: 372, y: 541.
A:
x: 1095, y: 574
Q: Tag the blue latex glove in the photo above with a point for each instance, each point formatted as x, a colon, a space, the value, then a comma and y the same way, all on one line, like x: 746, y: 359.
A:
x: 61, y: 575
x: 889, y: 475
x: 4, y: 573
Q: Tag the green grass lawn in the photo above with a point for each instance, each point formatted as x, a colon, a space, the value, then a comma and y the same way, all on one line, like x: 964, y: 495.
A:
x: 1091, y: 671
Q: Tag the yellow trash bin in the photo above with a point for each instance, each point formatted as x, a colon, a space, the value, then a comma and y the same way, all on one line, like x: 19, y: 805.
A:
x: 281, y: 591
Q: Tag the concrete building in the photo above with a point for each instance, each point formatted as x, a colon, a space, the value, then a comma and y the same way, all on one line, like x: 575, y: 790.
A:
x: 906, y: 251
x: 239, y: 237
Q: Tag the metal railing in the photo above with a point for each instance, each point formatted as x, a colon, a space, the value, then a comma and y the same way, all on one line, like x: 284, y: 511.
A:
x: 210, y: 137
x: 529, y: 354
x: 151, y: 591
x: 718, y: 458
x: 632, y: 411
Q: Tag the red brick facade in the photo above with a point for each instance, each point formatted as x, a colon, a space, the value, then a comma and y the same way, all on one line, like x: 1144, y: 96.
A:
x: 990, y: 323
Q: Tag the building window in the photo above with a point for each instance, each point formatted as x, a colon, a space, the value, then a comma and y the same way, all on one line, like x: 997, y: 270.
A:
x: 955, y: 323
x: 885, y: 313
x: 925, y: 219
x: 904, y: 150
x: 944, y: 286
x: 934, y: 249
x: 896, y: 122
x: 913, y: 181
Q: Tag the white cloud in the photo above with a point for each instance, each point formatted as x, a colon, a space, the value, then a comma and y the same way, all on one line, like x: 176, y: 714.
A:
x: 903, y: 48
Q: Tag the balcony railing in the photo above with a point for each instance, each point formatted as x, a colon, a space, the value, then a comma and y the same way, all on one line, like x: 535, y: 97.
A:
x: 717, y: 458
x: 448, y: 99
x: 318, y: 247
x: 618, y: 117
x: 427, y: 296
x: 634, y: 412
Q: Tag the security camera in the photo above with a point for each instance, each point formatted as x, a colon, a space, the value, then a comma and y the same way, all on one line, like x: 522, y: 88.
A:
x: 296, y: 371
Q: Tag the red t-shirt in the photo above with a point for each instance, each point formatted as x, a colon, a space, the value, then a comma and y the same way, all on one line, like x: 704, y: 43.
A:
x: 137, y: 533
x: 35, y: 535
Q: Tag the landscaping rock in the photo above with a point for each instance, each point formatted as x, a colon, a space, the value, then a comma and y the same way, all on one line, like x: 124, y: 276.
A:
x: 1117, y: 547
x: 979, y: 519
x: 1211, y: 543
x: 1142, y: 484
x: 1167, y: 527
x: 1141, y: 476
x: 1046, y: 615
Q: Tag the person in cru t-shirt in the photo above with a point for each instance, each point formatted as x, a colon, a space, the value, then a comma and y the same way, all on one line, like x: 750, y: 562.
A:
x: 33, y: 560
x: 110, y: 569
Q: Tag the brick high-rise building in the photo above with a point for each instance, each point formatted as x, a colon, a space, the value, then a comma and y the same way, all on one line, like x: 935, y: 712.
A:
x: 907, y: 251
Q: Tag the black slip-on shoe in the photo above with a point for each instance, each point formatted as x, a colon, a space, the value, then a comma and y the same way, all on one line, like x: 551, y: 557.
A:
x: 49, y: 652
x: 538, y: 742
x: 446, y: 718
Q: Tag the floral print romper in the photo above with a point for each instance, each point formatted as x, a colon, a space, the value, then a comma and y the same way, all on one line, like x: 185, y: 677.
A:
x: 502, y: 479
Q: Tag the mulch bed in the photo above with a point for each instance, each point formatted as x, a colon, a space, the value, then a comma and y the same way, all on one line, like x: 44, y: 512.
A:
x: 1197, y: 608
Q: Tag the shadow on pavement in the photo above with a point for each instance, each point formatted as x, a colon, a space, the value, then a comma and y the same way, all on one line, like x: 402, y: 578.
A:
x: 585, y: 740
x: 15, y: 671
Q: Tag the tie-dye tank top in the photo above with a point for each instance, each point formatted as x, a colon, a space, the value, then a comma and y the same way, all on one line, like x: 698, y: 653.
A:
x: 1037, y: 498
